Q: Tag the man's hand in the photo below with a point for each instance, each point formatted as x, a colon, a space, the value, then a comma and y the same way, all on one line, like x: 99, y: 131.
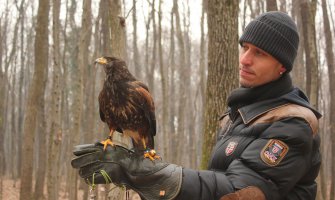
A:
x: 151, y: 179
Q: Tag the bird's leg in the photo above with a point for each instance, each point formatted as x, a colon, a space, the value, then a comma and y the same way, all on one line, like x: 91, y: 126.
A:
x: 108, y: 141
x: 149, y: 153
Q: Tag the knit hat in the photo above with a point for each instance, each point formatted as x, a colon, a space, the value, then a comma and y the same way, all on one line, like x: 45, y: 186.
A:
x: 276, y: 33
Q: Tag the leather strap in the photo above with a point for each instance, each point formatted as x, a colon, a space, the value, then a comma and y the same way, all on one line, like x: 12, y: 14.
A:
x: 248, y: 193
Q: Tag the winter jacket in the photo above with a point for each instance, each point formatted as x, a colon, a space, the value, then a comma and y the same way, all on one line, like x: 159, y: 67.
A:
x: 267, y: 141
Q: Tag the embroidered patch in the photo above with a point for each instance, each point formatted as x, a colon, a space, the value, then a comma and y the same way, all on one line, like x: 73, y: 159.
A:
x: 230, y: 148
x: 273, y: 152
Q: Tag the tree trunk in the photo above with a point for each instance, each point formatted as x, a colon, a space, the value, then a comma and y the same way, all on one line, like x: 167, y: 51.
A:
x: 136, y: 58
x: 189, y: 109
x: 2, y: 113
x: 299, y: 70
x: 271, y: 5
x: 42, y: 144
x: 152, y: 64
x: 202, y: 72
x: 282, y: 5
x: 55, y: 133
x: 13, y: 125
x: 308, y: 11
x: 36, y: 90
x: 114, y: 33
x: 2, y: 149
x: 164, y: 121
x: 21, y: 83
x: 222, y: 66
x: 182, y: 89
x: 117, y: 47
x: 88, y: 79
x: 331, y: 113
x: 172, y: 93
x: 81, y: 64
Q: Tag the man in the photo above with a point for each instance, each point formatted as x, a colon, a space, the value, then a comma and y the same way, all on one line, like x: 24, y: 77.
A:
x: 267, y: 146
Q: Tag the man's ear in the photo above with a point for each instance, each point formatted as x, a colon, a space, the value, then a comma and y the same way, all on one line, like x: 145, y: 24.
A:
x: 282, y: 69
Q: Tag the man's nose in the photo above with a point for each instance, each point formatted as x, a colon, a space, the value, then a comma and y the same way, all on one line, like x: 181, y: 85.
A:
x: 246, y: 58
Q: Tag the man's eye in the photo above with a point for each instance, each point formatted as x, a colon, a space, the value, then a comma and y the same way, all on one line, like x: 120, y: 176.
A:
x: 259, y: 53
x: 244, y: 48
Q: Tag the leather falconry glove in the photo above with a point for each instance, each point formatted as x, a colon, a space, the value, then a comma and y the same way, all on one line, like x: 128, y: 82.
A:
x: 150, y: 179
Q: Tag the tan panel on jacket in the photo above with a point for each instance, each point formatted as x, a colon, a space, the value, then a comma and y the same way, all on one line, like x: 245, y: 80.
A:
x: 248, y: 193
x: 289, y: 110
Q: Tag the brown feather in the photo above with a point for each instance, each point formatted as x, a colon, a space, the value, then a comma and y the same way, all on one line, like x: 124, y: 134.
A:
x: 126, y: 104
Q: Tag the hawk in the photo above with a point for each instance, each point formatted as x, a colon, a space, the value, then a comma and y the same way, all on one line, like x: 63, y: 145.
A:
x: 126, y: 105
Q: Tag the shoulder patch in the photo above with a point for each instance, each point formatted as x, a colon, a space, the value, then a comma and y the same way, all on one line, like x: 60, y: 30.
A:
x: 273, y: 152
x: 231, y: 148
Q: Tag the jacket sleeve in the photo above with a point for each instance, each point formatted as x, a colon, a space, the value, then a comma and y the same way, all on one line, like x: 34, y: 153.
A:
x: 204, y: 184
x: 275, y: 179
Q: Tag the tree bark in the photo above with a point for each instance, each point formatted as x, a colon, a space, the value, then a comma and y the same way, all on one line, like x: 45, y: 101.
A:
x: 115, y: 34
x: 222, y: 66
x: 172, y: 93
x: 308, y: 12
x: 136, y: 58
x: 182, y: 87
x: 21, y: 82
x: 299, y: 70
x: 271, y: 5
x: 42, y: 143
x: 152, y: 63
x: 75, y: 76
x: 331, y: 113
x: 35, y: 91
x: 55, y: 133
x: 163, y: 72
x: 202, y: 73
x: 113, y: 26
x: 88, y: 79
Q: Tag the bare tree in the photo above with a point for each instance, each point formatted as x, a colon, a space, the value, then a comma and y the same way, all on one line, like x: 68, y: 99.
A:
x: 308, y: 12
x: 331, y: 113
x: 88, y: 79
x: 163, y: 75
x: 115, y: 34
x: 76, y: 82
x: 202, y: 67
x: 35, y: 91
x: 55, y: 130
x: 299, y: 71
x: 172, y: 92
x: 41, y: 152
x: 136, y: 57
x: 21, y: 89
x: 222, y: 66
x: 152, y: 64
x: 182, y: 88
x: 2, y: 113
x: 271, y: 5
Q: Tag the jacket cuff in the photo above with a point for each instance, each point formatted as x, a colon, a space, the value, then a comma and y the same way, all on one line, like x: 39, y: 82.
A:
x: 201, y: 185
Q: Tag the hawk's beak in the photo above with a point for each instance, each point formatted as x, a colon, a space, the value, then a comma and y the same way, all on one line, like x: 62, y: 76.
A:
x: 101, y: 61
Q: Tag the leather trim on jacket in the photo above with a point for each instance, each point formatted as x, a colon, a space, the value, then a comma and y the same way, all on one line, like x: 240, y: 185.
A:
x: 288, y: 110
x: 248, y: 193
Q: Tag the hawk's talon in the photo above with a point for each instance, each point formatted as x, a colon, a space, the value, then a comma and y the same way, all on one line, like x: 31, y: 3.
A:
x: 107, y: 142
x: 151, y: 154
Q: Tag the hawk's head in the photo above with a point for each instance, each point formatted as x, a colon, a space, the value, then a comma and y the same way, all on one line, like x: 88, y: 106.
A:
x: 114, y: 67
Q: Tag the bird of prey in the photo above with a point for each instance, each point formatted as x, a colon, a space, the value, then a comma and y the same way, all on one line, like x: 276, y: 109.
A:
x: 126, y: 105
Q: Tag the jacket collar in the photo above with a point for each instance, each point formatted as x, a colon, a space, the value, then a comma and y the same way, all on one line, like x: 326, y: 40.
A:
x: 254, y: 110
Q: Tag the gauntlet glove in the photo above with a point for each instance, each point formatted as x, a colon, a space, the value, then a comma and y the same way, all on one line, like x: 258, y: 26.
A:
x: 150, y: 179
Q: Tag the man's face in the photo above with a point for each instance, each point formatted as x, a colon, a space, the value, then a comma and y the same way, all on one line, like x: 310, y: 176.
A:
x: 257, y: 67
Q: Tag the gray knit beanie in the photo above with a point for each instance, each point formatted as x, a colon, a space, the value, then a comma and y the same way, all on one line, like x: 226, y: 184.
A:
x: 276, y: 33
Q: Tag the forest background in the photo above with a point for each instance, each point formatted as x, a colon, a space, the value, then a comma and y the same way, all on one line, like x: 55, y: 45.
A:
x: 185, y: 50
